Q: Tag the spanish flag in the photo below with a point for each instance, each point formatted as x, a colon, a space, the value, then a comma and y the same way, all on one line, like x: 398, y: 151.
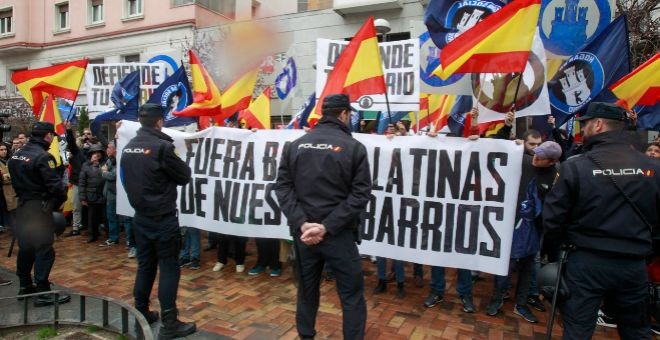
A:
x: 206, y: 95
x: 489, y: 129
x: 51, y: 114
x: 61, y: 80
x: 237, y: 95
x: 358, y: 70
x: 498, y: 44
x: 440, y: 109
x: 257, y: 115
x: 641, y: 86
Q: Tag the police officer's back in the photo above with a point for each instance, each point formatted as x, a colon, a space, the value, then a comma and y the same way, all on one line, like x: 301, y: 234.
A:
x: 151, y: 173
x: 40, y: 191
x: 611, y: 235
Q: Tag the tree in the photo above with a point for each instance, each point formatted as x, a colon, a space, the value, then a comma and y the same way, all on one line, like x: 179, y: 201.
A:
x: 643, y: 17
x: 83, y: 120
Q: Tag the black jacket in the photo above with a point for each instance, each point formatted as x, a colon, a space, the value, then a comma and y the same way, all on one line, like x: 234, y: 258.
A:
x: 77, y: 159
x: 34, y: 175
x: 324, y: 178
x: 587, y: 210
x: 151, y: 171
x: 91, y: 183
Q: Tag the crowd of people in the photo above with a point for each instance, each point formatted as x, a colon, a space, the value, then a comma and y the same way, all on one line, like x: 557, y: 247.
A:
x: 91, y: 172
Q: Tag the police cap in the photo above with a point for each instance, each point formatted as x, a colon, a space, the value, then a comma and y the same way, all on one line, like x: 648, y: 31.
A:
x: 42, y: 128
x: 605, y: 111
x: 151, y: 110
x: 337, y: 101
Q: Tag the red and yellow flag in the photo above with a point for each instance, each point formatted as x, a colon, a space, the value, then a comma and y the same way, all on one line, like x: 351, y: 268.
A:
x: 51, y: 114
x: 641, y: 86
x: 206, y: 95
x: 498, y: 44
x: 440, y: 106
x: 489, y: 129
x: 61, y: 80
x: 257, y: 115
x: 237, y: 96
x: 358, y: 70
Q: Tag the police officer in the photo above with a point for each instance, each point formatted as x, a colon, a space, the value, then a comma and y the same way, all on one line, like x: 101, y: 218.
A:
x: 40, y: 190
x: 151, y: 173
x: 323, y: 185
x: 605, y: 203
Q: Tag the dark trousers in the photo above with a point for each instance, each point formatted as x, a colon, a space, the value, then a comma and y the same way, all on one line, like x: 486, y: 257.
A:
x: 225, y: 241
x: 268, y: 253
x: 95, y: 214
x: 524, y: 266
x: 34, y: 232
x: 341, y: 254
x: 623, y: 282
x: 158, y: 244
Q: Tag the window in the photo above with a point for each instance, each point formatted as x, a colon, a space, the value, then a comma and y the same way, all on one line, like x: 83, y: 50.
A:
x: 176, y: 3
x: 224, y: 7
x: 133, y: 58
x: 6, y: 21
x: 133, y: 8
x: 95, y: 11
x: 62, y: 16
x: 12, y: 89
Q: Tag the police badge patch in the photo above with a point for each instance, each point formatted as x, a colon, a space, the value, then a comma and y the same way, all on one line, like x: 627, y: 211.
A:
x: 51, y: 164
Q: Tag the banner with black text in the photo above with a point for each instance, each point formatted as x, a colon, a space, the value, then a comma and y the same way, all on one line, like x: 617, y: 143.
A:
x: 440, y: 201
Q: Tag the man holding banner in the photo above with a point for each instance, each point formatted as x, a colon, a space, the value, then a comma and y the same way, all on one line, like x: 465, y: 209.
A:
x: 323, y: 185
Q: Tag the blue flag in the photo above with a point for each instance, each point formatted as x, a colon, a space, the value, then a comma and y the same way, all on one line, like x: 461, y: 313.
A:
x: 456, y: 120
x: 447, y: 19
x: 586, y: 76
x: 174, y: 95
x: 300, y: 119
x: 648, y: 117
x: 287, y: 79
x: 126, y: 97
x: 384, y: 120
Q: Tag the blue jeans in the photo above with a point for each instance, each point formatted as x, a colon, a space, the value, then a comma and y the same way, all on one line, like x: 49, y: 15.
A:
x: 463, y: 281
x: 533, y: 287
x: 130, y: 234
x: 397, y: 265
x: 113, y: 227
x: 191, y: 244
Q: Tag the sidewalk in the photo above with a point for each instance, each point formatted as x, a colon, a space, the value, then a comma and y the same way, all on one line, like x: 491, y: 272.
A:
x: 238, y: 306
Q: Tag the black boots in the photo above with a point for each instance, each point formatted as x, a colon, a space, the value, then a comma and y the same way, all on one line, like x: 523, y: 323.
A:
x: 381, y: 287
x: 150, y: 315
x: 26, y: 290
x: 173, y: 328
x: 49, y: 298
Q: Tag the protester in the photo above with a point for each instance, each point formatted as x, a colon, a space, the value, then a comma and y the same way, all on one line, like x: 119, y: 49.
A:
x: 190, y: 255
x: 152, y: 171
x: 324, y: 216
x: 91, y: 195
x: 15, y: 145
x: 605, y: 213
x: 76, y: 161
x: 653, y: 150
x: 8, y: 202
x: 109, y: 175
x: 22, y: 139
x: 397, y: 266
x: 268, y: 251
x: 40, y: 191
x: 225, y: 243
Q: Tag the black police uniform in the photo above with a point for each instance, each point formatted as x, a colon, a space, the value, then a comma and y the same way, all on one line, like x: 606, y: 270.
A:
x: 151, y: 173
x: 40, y: 190
x: 585, y: 209
x: 324, y: 178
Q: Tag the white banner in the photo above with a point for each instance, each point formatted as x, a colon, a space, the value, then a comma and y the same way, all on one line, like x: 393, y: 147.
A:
x: 498, y: 89
x: 440, y: 201
x: 400, y: 67
x: 101, y: 78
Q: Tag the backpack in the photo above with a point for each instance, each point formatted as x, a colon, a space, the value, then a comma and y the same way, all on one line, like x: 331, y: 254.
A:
x: 526, y: 239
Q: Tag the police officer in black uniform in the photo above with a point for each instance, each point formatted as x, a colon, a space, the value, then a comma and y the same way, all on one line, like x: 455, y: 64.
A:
x: 588, y: 209
x: 151, y: 173
x: 323, y: 185
x: 40, y: 190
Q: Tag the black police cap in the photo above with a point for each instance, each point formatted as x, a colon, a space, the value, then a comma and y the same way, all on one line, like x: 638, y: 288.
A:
x: 151, y: 110
x: 337, y: 101
x: 42, y: 128
x: 605, y: 111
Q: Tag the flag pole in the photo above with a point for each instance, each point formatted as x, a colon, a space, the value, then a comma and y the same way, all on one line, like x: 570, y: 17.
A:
x: 387, y: 101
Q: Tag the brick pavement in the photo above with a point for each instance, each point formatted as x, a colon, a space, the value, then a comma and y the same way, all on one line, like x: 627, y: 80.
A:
x: 245, y: 307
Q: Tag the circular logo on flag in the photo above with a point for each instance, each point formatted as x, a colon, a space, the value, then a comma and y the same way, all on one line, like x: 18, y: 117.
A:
x: 577, y: 81
x: 174, y: 99
x: 463, y: 15
x: 496, y: 91
x: 566, y: 25
x: 430, y: 60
